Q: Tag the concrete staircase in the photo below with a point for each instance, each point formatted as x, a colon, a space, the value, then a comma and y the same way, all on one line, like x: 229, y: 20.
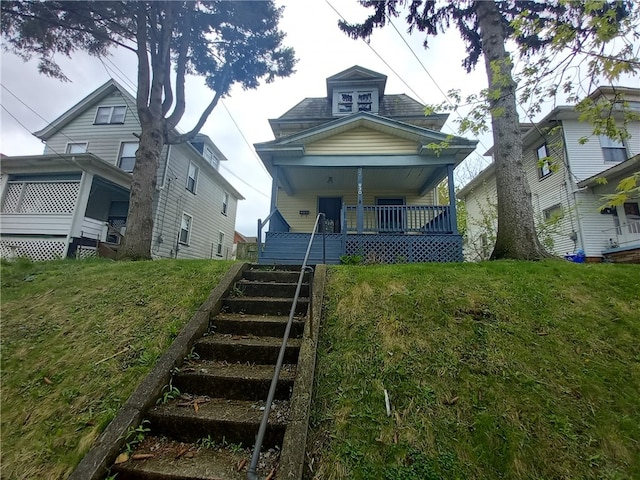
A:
x: 205, y: 423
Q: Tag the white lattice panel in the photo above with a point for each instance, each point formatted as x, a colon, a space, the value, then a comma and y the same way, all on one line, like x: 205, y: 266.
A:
x: 49, y: 197
x: 36, y: 250
x: 86, y: 252
x: 10, y: 204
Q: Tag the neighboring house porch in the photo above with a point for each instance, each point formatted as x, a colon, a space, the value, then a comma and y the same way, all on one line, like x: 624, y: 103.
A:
x: 57, y: 206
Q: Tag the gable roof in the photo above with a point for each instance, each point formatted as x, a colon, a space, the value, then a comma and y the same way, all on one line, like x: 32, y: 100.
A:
x: 354, y: 77
x: 94, y: 97
x: 294, y: 144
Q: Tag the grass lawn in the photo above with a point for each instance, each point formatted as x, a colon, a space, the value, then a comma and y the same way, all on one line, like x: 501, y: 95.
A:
x: 495, y: 370
x: 77, y: 337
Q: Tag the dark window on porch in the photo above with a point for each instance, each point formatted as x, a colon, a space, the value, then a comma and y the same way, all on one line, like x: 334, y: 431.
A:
x: 390, y: 219
x: 331, y: 207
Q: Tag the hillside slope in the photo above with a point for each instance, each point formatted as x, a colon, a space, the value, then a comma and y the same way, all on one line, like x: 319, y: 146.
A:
x: 494, y: 370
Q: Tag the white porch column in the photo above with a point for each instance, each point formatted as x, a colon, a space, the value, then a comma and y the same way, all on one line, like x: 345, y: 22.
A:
x: 360, y: 206
x: 452, y: 200
x: 81, y: 205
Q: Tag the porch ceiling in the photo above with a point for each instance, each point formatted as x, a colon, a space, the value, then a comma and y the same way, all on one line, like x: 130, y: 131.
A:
x: 407, y: 179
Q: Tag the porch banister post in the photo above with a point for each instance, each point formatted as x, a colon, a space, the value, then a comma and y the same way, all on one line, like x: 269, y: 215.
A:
x: 274, y: 189
x: 453, y: 217
x: 360, y: 206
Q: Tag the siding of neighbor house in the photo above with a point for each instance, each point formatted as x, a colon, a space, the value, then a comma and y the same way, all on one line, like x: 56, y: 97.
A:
x: 361, y: 140
x: 289, y: 206
x: 172, y: 199
x: 581, y: 209
x: 205, y: 208
x: 551, y: 190
x: 587, y: 160
x: 478, y: 203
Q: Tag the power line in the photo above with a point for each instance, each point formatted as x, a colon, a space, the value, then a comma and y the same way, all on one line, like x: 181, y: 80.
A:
x: 379, y: 56
x: 246, y: 183
x: 244, y: 138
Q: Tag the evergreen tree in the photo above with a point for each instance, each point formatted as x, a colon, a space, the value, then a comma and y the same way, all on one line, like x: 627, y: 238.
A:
x: 597, y: 32
x: 225, y: 42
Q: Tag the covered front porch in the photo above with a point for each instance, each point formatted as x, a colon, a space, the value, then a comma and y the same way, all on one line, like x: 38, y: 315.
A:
x: 60, y: 206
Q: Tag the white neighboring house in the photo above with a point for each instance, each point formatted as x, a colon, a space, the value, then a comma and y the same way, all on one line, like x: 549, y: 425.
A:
x: 73, y: 199
x: 567, y: 188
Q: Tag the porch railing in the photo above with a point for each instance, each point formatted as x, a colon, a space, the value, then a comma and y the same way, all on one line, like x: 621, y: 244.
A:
x: 398, y: 219
x: 624, y: 233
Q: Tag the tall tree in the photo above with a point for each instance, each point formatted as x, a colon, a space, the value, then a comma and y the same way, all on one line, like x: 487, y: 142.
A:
x: 225, y: 42
x: 581, y: 29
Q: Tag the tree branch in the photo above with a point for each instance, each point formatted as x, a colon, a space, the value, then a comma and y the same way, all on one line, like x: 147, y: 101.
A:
x: 142, y: 94
x: 183, y: 51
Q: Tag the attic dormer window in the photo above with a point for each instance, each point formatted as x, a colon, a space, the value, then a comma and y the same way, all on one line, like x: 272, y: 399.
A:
x: 352, y: 101
x: 210, y: 157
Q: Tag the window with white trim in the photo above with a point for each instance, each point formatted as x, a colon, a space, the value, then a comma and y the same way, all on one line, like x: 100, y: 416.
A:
x: 127, y: 157
x: 544, y: 167
x: 553, y: 213
x: 352, y: 101
x: 110, y: 115
x: 225, y: 203
x: 220, y: 244
x: 210, y: 157
x: 612, y: 150
x: 185, y: 229
x: 79, y: 147
x: 192, y: 177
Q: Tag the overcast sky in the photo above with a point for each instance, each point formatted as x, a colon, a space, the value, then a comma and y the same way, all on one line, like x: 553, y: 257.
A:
x: 322, y: 50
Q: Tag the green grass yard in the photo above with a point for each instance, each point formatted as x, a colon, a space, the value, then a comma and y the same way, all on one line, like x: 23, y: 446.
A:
x: 495, y: 370
x: 77, y: 338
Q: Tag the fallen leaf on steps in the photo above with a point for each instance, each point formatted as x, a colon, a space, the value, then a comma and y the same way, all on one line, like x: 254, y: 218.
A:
x: 123, y: 457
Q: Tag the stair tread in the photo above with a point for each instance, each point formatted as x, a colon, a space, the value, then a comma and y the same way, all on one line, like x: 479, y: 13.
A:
x: 266, y: 299
x: 256, y: 317
x: 236, y: 370
x: 181, y: 461
x: 221, y: 410
x: 247, y: 340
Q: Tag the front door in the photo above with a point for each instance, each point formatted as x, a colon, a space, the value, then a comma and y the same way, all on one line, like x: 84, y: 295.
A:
x: 390, y: 219
x: 331, y: 207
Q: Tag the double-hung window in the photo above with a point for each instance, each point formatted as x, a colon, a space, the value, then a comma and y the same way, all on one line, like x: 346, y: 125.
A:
x: 210, y: 157
x: 79, y: 147
x: 185, y: 229
x: 127, y: 157
x: 109, y: 115
x: 544, y: 167
x: 220, y: 244
x: 192, y: 177
x: 612, y: 150
x: 225, y: 203
x: 553, y: 213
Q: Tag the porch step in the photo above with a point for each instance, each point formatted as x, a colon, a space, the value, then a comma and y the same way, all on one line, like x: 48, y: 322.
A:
x: 246, y: 348
x: 264, y: 305
x: 278, y: 276
x: 164, y: 459
x: 265, y: 325
x: 238, y: 381
x: 253, y: 288
x: 219, y: 420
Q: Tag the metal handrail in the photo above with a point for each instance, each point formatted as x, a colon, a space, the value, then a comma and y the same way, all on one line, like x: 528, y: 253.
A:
x: 251, y: 473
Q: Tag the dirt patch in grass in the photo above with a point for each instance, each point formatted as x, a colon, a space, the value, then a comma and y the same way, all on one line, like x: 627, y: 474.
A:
x: 494, y: 370
x: 77, y: 338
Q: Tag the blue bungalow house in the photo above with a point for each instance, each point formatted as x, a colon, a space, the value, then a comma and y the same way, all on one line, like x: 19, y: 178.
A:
x: 365, y: 159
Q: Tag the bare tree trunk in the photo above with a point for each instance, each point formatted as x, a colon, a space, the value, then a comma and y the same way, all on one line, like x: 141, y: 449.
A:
x: 137, y: 239
x: 516, y: 237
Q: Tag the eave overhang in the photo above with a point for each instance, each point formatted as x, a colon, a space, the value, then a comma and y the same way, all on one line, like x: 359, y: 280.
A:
x: 83, y: 162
